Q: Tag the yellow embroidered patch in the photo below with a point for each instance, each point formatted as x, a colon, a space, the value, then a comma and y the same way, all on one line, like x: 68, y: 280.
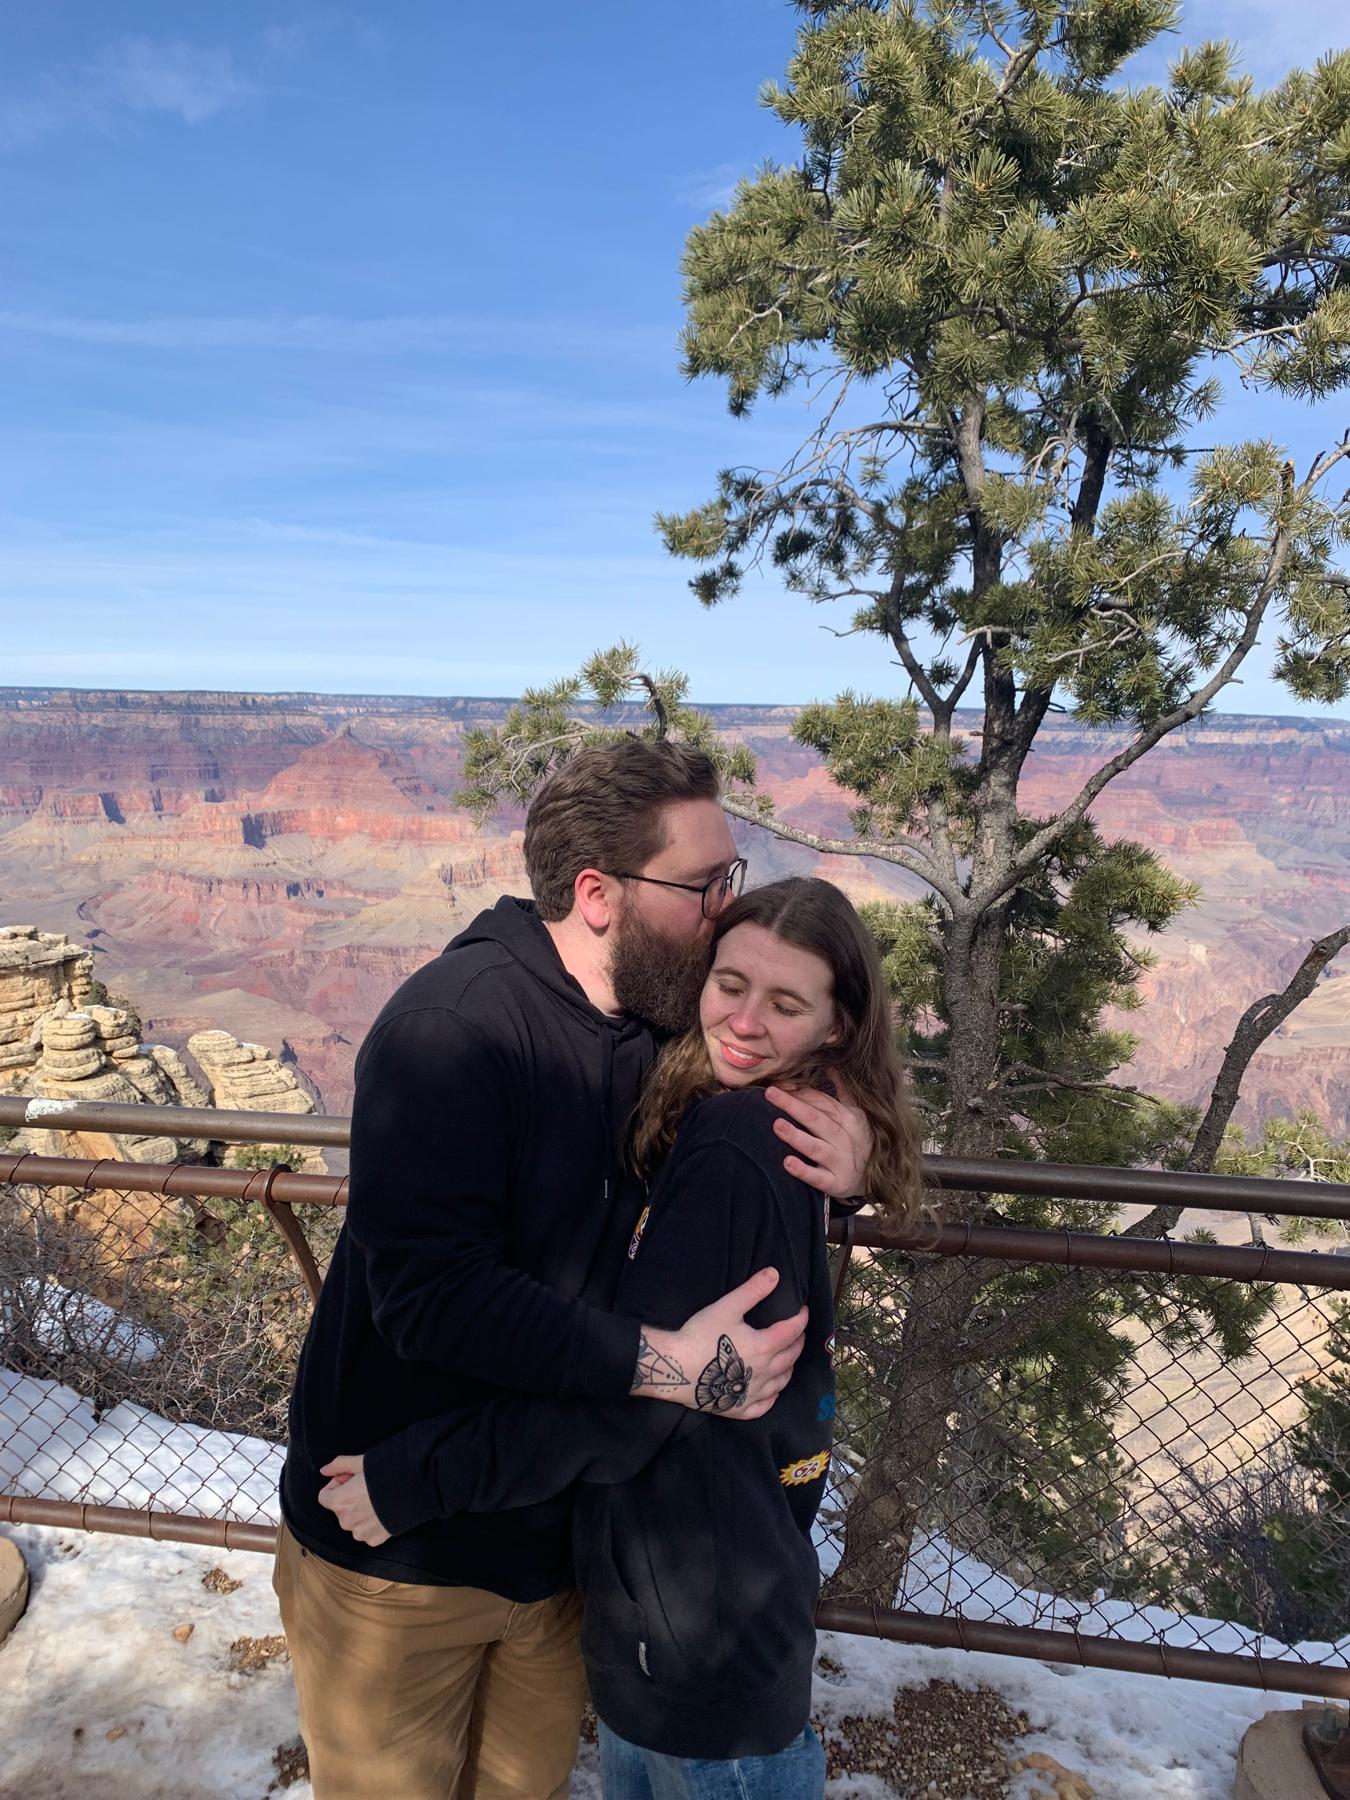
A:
x: 637, y: 1235
x: 809, y: 1469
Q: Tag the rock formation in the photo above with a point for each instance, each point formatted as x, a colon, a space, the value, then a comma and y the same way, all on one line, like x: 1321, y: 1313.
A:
x: 39, y: 971
x: 249, y: 1078
x: 58, y: 1047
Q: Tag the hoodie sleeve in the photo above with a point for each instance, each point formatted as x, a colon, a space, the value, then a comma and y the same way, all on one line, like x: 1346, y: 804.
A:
x: 715, y: 1222
x: 432, y: 1135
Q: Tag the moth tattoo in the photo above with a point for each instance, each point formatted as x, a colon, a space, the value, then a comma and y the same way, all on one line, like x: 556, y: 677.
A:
x: 723, y: 1385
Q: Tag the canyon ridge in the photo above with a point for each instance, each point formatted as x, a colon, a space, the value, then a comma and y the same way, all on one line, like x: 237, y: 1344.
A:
x: 272, y: 865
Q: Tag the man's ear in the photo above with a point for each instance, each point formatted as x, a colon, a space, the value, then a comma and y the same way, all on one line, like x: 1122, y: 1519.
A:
x: 596, y: 897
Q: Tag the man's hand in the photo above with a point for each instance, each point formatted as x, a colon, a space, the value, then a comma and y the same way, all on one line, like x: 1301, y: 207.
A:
x: 832, y: 1139
x: 348, y: 1498
x: 716, y: 1362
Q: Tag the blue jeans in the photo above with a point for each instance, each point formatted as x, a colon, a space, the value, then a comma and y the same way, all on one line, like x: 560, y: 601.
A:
x: 628, y: 1773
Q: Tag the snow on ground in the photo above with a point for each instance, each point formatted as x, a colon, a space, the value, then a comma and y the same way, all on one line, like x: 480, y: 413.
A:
x: 98, y: 1696
x: 62, y: 1318
x: 96, y: 1651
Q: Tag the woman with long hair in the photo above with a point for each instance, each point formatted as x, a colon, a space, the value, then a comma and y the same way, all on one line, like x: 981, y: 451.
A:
x: 693, y: 1536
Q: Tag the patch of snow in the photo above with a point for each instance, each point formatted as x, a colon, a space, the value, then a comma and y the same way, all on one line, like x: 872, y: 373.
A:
x: 941, y: 1579
x: 1135, y: 1737
x: 63, y: 1318
x: 54, y: 1444
x: 97, y: 1696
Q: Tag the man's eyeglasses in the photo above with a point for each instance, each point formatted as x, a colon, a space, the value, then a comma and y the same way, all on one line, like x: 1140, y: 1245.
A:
x: 713, y: 894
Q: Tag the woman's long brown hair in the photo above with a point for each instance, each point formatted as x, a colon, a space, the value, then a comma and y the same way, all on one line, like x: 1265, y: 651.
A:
x: 863, y: 1065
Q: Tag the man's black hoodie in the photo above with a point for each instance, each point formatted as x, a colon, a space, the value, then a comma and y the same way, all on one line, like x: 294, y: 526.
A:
x: 489, y: 1198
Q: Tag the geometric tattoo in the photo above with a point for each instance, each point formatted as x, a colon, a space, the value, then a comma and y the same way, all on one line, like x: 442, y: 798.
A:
x: 724, y: 1383
x: 655, y: 1369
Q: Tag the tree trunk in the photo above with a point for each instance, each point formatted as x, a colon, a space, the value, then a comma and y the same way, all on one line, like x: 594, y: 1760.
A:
x: 899, y: 1475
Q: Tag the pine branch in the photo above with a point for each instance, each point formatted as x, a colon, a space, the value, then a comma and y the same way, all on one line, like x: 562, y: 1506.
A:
x: 1281, y: 542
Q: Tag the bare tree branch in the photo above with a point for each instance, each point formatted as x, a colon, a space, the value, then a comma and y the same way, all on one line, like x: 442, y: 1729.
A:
x: 1261, y: 1018
x: 905, y: 856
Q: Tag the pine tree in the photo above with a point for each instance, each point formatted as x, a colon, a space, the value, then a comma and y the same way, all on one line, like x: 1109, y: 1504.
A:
x: 1012, y: 283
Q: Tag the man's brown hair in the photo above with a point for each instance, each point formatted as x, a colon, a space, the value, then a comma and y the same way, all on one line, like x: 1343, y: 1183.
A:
x: 603, y: 810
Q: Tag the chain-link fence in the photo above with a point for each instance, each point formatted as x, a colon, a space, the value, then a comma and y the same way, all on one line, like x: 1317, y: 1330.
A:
x: 148, y: 1341
x: 1125, y: 1443
x: 1121, y: 1455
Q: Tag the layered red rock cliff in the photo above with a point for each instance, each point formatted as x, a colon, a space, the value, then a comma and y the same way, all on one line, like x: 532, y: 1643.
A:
x: 273, y: 865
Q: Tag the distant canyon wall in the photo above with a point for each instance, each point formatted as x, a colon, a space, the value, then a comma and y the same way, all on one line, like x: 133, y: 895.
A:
x: 273, y: 865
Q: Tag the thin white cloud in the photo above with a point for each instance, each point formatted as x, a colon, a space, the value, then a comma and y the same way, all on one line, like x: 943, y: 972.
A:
x: 711, y: 189
x: 383, y: 335
x: 134, y: 75
x: 26, y: 118
x: 188, y: 81
x: 304, y: 35
x: 313, y: 331
x: 287, y: 40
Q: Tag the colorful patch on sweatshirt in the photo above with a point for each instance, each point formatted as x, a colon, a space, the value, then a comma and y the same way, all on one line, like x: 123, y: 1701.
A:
x: 809, y: 1469
x: 637, y: 1234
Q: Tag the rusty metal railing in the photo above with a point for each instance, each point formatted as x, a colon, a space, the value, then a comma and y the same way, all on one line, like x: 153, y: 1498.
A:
x: 1057, y: 1181
x: 132, y: 1306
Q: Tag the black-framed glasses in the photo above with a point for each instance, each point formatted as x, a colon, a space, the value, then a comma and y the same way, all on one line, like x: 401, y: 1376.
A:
x: 713, y: 895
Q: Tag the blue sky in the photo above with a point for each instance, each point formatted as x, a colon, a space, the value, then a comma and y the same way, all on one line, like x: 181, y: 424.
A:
x: 338, y: 346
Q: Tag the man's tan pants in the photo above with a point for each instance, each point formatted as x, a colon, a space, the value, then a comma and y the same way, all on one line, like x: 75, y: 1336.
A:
x: 429, y: 1693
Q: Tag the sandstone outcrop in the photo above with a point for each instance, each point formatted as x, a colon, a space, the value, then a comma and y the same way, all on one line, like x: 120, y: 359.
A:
x: 58, y: 1047
x: 13, y: 1586
x: 39, y: 971
x: 95, y: 1055
x: 249, y: 1078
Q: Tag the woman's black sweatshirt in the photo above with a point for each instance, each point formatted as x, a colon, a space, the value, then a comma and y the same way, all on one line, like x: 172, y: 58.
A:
x: 692, y: 1532
x: 489, y: 1202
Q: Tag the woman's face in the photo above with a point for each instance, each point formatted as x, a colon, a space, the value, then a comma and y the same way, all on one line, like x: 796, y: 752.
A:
x: 766, y: 1005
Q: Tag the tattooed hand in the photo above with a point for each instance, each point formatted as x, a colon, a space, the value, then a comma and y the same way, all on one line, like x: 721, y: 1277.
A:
x: 718, y: 1363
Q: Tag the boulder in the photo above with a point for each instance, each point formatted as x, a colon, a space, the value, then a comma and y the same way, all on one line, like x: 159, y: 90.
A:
x: 13, y: 1586
x: 1272, y: 1763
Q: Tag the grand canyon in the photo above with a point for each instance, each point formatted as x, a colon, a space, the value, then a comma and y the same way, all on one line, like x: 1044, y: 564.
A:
x: 272, y: 865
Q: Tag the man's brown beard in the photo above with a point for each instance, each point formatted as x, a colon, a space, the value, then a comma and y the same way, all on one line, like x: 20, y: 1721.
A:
x: 656, y: 977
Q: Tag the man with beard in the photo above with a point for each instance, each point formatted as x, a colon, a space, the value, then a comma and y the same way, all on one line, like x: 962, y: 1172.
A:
x: 492, y: 1202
